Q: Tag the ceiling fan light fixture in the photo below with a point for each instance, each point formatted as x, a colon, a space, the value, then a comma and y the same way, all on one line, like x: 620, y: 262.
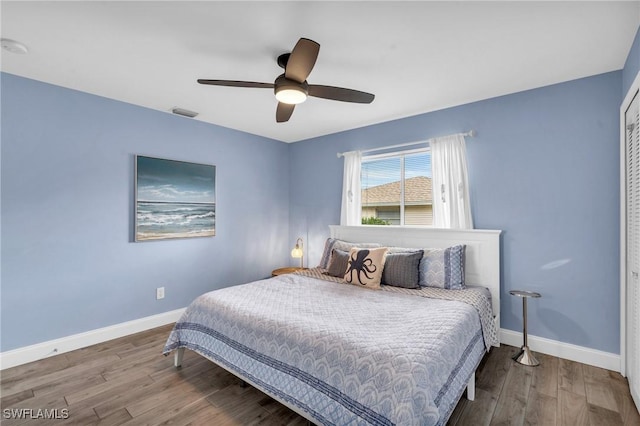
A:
x: 290, y: 95
x: 291, y: 87
x: 289, y: 91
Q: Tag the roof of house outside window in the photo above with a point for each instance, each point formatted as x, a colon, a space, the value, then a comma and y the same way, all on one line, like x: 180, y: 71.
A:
x: 417, y: 191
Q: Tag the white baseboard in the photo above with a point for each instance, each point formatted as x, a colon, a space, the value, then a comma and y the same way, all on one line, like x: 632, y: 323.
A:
x: 563, y: 350
x: 43, y: 350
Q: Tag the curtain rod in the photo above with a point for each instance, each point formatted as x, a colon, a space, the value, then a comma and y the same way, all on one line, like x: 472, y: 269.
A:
x: 470, y: 133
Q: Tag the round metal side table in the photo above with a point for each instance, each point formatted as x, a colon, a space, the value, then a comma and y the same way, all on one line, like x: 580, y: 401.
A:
x: 525, y: 356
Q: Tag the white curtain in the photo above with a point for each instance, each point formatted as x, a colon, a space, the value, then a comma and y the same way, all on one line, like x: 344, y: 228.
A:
x: 351, y: 196
x: 451, y: 206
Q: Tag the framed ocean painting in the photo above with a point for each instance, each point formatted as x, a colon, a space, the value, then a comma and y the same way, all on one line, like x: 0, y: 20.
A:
x: 174, y: 199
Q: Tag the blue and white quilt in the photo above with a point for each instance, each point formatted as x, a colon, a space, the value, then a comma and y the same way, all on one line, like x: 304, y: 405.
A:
x: 336, y: 353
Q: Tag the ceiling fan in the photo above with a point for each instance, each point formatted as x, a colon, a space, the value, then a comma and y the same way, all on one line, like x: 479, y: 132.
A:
x: 291, y: 88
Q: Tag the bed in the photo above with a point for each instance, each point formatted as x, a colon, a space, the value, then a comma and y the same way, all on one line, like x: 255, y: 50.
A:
x: 339, y: 354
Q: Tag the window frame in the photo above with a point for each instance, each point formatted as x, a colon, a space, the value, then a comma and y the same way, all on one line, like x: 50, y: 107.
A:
x: 402, y: 154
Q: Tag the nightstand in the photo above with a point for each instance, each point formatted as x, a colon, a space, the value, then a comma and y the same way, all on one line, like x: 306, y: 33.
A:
x: 289, y: 270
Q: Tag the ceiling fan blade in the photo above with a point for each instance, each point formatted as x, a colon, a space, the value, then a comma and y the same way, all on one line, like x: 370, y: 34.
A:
x: 234, y: 83
x: 302, y: 59
x: 283, y: 112
x: 340, y: 94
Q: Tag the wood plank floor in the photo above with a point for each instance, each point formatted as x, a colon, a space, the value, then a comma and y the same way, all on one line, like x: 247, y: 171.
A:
x: 127, y: 381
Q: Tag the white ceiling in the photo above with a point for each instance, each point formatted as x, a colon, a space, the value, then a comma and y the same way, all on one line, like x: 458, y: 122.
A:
x: 414, y: 56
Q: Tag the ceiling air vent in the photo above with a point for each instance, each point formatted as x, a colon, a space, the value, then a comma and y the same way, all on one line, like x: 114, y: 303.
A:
x: 184, y: 112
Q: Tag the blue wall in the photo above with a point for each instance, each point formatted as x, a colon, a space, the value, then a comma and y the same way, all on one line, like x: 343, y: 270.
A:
x: 68, y: 263
x: 544, y: 168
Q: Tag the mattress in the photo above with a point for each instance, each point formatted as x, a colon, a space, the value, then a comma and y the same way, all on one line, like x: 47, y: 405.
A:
x: 340, y: 354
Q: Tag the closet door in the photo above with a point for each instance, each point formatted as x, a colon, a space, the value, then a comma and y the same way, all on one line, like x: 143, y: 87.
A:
x: 632, y: 195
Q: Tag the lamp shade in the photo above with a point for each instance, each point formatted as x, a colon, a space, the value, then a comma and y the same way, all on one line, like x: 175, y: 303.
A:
x: 296, y: 252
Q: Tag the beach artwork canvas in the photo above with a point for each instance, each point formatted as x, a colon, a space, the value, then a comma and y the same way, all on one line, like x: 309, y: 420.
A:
x: 174, y: 199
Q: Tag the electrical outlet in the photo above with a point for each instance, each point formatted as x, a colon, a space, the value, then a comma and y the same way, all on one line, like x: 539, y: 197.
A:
x: 159, y: 293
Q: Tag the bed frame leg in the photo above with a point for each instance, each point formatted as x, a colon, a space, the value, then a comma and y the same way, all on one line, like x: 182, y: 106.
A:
x: 177, y: 357
x: 471, y: 387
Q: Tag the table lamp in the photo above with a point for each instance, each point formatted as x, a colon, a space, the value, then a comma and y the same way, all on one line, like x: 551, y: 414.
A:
x: 297, y: 252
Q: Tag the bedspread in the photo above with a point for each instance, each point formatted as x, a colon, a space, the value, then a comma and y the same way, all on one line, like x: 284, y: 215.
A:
x: 338, y: 353
x: 478, y: 297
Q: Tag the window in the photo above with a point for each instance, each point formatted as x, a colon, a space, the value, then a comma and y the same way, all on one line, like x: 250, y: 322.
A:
x: 396, y: 188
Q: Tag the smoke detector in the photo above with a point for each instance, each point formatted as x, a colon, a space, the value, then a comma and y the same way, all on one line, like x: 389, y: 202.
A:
x: 14, y: 46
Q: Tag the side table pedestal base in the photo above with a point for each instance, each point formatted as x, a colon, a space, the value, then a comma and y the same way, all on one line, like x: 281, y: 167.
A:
x: 525, y: 357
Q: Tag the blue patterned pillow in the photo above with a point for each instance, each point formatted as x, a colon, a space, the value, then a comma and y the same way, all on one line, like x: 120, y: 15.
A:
x: 443, y: 268
x: 402, y: 269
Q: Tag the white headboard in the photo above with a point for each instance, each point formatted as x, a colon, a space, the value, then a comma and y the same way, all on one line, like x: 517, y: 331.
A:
x: 482, y: 254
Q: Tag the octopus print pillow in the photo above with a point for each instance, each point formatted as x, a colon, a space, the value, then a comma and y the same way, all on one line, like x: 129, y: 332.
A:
x: 365, y: 265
